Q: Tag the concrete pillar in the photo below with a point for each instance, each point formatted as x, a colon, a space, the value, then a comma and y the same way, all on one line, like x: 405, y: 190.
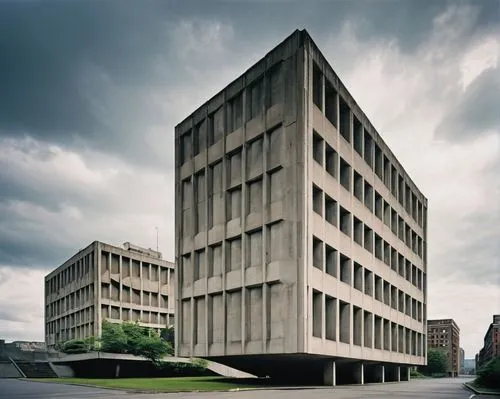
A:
x: 330, y: 374
x: 398, y: 373
x: 359, y: 373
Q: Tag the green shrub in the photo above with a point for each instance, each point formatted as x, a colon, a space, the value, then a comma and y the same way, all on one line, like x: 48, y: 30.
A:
x: 489, y: 374
x: 75, y: 346
x: 437, y: 363
x: 415, y: 374
x: 201, y: 363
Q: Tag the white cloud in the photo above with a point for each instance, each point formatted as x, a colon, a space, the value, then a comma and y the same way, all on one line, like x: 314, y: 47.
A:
x: 484, y: 55
x: 23, y: 291
x: 470, y: 305
x: 406, y: 96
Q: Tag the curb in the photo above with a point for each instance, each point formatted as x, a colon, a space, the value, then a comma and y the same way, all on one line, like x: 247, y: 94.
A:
x: 480, y: 392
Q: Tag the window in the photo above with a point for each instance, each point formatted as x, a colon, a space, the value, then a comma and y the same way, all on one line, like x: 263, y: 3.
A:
x: 317, y: 253
x: 275, y: 86
x: 358, y: 186
x: 368, y: 149
x: 317, y: 148
x: 254, y: 101
x: 317, y: 196
x: 331, y: 214
x: 345, y: 174
x: 330, y: 103
x: 200, y: 137
x: 358, y: 231
x: 368, y: 193
x: 317, y: 87
x: 345, y: 221
x: 331, y: 257
x: 234, y: 112
x: 331, y: 161
x: 345, y: 120
x: 186, y: 152
x: 345, y: 269
x: 358, y: 136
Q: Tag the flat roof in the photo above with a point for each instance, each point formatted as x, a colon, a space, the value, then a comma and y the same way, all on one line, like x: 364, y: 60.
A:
x: 115, y: 249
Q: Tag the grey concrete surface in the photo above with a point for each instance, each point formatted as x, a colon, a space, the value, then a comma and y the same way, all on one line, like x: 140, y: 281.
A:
x: 418, y: 389
x: 297, y: 220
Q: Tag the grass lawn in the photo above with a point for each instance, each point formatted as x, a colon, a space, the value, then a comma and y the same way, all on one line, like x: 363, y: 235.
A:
x: 175, y: 384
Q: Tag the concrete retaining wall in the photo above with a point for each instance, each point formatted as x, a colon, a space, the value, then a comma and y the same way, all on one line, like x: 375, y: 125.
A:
x: 63, y: 371
x: 8, y: 370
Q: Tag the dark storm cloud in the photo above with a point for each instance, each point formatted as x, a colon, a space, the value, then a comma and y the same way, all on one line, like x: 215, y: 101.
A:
x: 478, y: 110
x: 46, y: 48
x: 78, y: 73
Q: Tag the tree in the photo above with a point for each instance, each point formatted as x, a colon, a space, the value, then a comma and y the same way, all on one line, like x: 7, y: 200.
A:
x: 489, y: 374
x: 75, y: 346
x: 153, y: 348
x: 113, y: 338
x: 134, y: 339
x: 437, y: 362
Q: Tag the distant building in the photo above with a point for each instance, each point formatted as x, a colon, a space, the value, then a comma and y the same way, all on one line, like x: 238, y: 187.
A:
x: 444, y: 334
x: 462, y: 361
x: 469, y: 366
x: 491, y: 346
x: 107, y: 282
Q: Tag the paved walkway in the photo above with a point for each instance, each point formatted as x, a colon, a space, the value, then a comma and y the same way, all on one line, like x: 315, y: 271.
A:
x: 418, y: 389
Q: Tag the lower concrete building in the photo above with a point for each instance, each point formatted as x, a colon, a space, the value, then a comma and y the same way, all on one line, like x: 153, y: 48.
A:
x: 491, y: 348
x: 300, y: 238
x: 105, y: 282
x: 444, y: 334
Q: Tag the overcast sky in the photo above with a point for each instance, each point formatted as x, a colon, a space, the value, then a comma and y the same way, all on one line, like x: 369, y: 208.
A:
x: 90, y: 92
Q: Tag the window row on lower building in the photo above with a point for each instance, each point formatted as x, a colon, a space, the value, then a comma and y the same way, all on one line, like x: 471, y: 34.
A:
x: 83, y: 316
x: 81, y: 268
x: 127, y: 314
x: 81, y: 297
x: 112, y: 292
x: 75, y: 332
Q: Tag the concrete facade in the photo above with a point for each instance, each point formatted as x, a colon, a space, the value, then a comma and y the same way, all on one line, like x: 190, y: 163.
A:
x: 107, y: 282
x: 300, y: 238
x: 444, y: 334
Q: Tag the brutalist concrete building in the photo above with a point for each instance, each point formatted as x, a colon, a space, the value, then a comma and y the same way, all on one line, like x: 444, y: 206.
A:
x: 300, y: 238
x: 105, y: 282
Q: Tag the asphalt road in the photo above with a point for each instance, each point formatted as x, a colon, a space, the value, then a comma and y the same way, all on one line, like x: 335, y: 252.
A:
x: 417, y: 389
